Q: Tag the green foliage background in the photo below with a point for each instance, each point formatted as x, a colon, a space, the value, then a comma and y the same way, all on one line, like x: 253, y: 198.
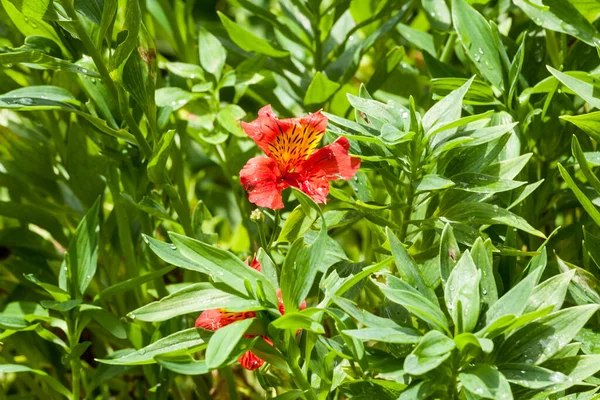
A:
x: 461, y: 262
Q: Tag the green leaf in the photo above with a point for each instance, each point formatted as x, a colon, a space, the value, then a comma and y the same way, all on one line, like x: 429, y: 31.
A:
x: 194, y: 298
x: 589, y: 123
x: 30, y: 26
x: 577, y: 368
x: 61, y: 306
x: 320, y: 90
x: 296, y: 224
x: 581, y: 84
x: 487, y: 214
x: 408, y: 269
x: 302, y: 262
x: 479, y: 92
x: 583, y: 164
x: 514, y: 301
x: 178, y: 343
x: 462, y: 294
x: 156, y: 166
x: 105, y: 319
x: 482, y: 183
x: 449, y: 253
x: 212, y: 53
x: 221, y: 265
x: 83, y: 251
x: 38, y: 98
x: 401, y: 293
x: 174, y: 97
x: 229, y: 117
x: 189, y: 71
x: 560, y: 16
x: 477, y: 39
x: 129, y: 35
x: 190, y: 367
x: 224, y: 341
x: 132, y: 283
x: 433, y: 349
x: 421, y: 40
x: 586, y: 203
x: 531, y: 376
x: 249, y: 41
x: 467, y: 342
x: 482, y: 257
x: 34, y: 52
x: 293, y: 321
x: 399, y: 335
x: 486, y: 382
x: 57, y: 293
x: 17, y: 314
x: 51, y: 381
x: 432, y: 182
x: 551, y: 292
x: 446, y: 110
x: 536, y: 343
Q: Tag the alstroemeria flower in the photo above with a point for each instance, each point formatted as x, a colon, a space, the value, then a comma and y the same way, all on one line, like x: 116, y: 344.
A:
x: 292, y: 158
x: 215, y: 319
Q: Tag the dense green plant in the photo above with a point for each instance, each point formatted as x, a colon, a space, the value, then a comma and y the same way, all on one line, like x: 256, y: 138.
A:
x: 462, y: 260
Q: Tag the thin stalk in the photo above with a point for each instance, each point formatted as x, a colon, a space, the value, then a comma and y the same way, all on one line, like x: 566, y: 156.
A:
x: 410, y: 192
x: 318, y: 53
x: 448, y: 48
x: 75, y: 364
x: 301, y: 381
x: 275, y: 232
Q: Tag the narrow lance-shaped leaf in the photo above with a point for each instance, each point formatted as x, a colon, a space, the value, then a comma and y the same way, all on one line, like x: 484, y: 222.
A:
x: 83, y: 250
x: 157, y: 164
x: 477, y: 38
x: 482, y: 257
x: 408, y: 269
x: 462, y: 294
x: 302, y: 261
x: 449, y: 252
x: 212, y: 53
x: 194, y: 298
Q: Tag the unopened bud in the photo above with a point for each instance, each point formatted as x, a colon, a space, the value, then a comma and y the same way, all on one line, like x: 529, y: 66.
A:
x: 257, y: 215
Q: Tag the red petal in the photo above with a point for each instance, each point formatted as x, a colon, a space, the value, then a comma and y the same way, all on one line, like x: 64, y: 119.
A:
x: 216, y: 318
x: 288, y: 141
x: 263, y: 129
x: 250, y: 361
x: 261, y: 179
x: 280, y: 298
x: 333, y: 160
x: 255, y: 264
x: 314, y: 183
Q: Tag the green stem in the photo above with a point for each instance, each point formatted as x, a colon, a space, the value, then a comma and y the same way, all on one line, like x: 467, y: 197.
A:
x: 448, y: 49
x: 301, y: 381
x: 75, y: 364
x: 318, y: 53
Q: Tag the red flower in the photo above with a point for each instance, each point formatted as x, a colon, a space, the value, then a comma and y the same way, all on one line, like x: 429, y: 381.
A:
x: 215, y: 319
x: 292, y: 158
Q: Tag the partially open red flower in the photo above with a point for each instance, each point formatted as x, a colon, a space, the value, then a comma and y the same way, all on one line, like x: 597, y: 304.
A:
x: 292, y: 158
x: 217, y: 318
